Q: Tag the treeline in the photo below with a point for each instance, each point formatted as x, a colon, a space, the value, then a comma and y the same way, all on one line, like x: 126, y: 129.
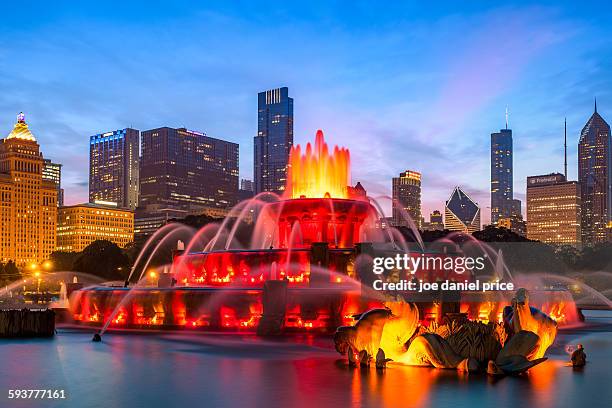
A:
x: 524, y: 255
x: 100, y: 258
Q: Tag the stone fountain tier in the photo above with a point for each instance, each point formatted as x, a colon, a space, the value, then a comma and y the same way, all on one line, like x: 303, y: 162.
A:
x: 303, y: 221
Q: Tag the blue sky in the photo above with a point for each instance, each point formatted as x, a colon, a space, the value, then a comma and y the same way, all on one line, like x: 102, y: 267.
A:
x: 402, y: 86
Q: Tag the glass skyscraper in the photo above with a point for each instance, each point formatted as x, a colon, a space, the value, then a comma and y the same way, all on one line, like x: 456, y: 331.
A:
x: 501, y: 175
x: 113, y: 167
x: 594, y: 166
x: 185, y: 170
x: 274, y: 140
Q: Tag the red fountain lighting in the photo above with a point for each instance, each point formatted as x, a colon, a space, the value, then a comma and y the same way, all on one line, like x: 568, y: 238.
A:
x: 317, y: 173
x: 316, y: 226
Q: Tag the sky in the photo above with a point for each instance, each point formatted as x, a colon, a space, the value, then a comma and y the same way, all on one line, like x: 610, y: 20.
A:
x: 404, y: 86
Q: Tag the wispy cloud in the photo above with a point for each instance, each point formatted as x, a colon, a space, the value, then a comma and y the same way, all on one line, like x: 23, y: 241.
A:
x: 403, y: 88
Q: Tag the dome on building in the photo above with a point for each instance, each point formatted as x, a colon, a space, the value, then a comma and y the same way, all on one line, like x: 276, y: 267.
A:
x: 21, y: 131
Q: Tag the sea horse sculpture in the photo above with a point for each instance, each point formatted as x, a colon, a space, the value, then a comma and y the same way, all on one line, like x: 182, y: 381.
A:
x: 395, y: 332
x: 521, y: 316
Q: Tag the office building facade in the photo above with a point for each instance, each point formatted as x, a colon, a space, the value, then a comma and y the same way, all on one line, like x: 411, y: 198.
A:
x: 553, y: 209
x: 113, y: 167
x: 594, y: 167
x: 53, y: 172
x: 28, y: 203
x: 273, y: 141
x: 501, y: 175
x: 186, y: 170
x: 406, y: 190
x: 436, y: 221
x: 80, y: 225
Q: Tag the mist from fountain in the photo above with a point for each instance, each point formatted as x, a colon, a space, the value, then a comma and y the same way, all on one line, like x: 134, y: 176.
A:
x: 251, y: 230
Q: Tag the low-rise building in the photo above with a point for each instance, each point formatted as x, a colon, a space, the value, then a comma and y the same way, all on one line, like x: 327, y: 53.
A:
x: 80, y: 225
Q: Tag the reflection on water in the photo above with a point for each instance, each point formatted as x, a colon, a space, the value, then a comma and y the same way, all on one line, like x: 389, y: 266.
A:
x: 159, y: 370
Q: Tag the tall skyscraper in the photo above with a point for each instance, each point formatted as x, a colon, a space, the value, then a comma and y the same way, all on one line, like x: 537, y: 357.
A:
x: 274, y: 140
x: 501, y: 174
x: 53, y: 172
x: 113, y: 167
x: 407, y: 195
x: 553, y: 209
x: 461, y: 213
x: 186, y: 170
x: 28, y: 203
x: 594, y: 167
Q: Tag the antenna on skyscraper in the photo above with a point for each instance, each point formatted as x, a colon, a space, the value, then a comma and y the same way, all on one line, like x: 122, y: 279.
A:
x: 506, y: 117
x: 565, y: 148
x: 595, y: 104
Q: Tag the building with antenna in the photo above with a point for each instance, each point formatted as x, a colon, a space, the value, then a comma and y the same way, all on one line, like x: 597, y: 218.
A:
x: 502, y: 193
x: 594, y: 167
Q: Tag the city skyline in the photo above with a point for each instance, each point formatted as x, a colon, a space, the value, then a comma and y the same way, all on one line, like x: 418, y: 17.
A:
x: 416, y: 111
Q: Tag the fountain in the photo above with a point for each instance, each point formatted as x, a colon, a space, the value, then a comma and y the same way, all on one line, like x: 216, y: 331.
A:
x: 300, y: 262
x: 394, y: 334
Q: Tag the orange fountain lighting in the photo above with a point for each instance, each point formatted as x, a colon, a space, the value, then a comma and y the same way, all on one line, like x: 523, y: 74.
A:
x: 317, y: 173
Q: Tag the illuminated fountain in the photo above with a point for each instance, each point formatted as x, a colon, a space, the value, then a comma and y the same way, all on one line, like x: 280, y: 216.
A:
x: 300, y: 262
x: 395, y: 334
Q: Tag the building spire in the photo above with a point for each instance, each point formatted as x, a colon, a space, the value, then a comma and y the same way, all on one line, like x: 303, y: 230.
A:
x: 507, y: 117
x: 595, y: 104
x: 565, y: 148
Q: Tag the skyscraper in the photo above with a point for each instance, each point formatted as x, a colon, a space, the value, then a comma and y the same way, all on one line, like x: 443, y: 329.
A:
x: 113, y: 167
x: 553, y: 209
x: 53, y: 172
x: 461, y: 213
x: 407, y: 196
x: 594, y: 167
x: 186, y: 170
x: 28, y: 203
x: 274, y: 140
x: 501, y: 174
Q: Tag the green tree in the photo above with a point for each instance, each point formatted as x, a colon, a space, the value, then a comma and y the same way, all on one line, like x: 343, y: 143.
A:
x: 104, y: 259
x: 9, y: 272
x: 491, y: 233
x: 196, y: 221
x: 63, y: 261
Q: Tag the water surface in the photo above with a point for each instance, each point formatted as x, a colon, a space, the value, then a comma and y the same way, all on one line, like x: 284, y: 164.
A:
x: 163, y: 370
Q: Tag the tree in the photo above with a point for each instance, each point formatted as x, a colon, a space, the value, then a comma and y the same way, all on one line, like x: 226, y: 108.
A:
x: 104, y: 259
x: 196, y: 221
x: 9, y: 272
x: 493, y: 234
x: 63, y: 261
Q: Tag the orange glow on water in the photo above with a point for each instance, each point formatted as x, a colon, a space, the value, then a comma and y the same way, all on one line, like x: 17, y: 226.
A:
x: 318, y: 173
